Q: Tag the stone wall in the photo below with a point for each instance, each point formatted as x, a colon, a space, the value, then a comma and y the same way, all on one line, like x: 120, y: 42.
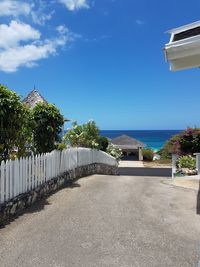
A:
x: 19, y: 203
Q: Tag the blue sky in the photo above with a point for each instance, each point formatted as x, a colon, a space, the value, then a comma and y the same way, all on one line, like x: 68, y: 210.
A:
x: 101, y: 60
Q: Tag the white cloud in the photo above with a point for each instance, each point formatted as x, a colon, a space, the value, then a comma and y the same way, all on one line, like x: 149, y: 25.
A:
x: 14, y: 8
x: 36, y: 11
x: 26, y: 48
x: 75, y: 4
x: 139, y: 22
x: 28, y: 55
x: 22, y: 45
x: 39, y: 13
x: 62, y: 29
x: 15, y: 32
x: 40, y: 17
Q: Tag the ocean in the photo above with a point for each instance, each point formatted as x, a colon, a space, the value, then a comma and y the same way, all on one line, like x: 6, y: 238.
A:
x: 154, y: 139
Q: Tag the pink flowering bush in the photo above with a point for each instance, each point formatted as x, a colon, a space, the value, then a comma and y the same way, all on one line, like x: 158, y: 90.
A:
x: 188, y: 142
x: 185, y: 143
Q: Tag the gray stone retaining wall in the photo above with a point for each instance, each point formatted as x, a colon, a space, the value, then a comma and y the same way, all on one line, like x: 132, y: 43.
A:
x: 17, y: 204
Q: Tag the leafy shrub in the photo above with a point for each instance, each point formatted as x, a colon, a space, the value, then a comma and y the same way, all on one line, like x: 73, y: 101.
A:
x: 61, y: 146
x: 103, y: 143
x: 114, y: 151
x: 48, y: 126
x: 24, y: 141
x: 85, y: 135
x: 188, y: 142
x: 186, y: 162
x: 168, y: 149
x: 14, y: 119
x: 185, y: 143
x: 148, y: 154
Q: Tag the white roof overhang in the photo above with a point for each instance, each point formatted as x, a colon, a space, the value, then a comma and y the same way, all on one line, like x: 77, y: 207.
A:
x: 184, y: 28
x: 185, y: 53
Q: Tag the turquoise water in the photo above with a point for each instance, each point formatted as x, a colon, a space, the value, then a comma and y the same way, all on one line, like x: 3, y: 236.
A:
x: 154, y: 139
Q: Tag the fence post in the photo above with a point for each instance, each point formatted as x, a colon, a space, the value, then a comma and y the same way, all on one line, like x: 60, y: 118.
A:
x: 174, y: 159
x: 197, y: 162
x: 7, y: 179
x: 2, y: 184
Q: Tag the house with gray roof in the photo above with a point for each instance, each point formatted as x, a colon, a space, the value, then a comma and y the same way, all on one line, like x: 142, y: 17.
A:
x: 33, y: 98
x: 129, y: 146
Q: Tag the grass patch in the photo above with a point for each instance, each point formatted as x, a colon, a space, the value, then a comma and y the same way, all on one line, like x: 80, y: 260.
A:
x: 158, y: 163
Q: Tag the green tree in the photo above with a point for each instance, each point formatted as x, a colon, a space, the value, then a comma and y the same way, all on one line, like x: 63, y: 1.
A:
x: 147, y: 154
x: 169, y: 148
x: 188, y: 142
x: 114, y: 151
x: 48, y: 126
x: 185, y: 143
x: 103, y: 143
x: 11, y: 120
x: 25, y: 138
x: 85, y: 135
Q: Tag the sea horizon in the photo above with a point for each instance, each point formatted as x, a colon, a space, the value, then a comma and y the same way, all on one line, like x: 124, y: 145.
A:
x: 142, y: 130
x: 154, y: 139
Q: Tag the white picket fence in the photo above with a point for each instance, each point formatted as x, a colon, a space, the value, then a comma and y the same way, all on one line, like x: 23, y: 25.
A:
x: 24, y: 174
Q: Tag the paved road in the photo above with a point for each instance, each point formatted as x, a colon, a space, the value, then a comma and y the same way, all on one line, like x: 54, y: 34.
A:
x: 107, y: 221
x: 131, y: 164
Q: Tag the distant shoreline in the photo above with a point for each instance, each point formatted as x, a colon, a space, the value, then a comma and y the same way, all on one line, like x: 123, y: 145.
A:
x: 154, y: 139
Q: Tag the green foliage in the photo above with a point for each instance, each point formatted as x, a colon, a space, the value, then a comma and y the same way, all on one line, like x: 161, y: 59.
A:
x: 185, y: 143
x: 188, y: 142
x: 48, y: 126
x: 25, y: 139
x: 114, y: 151
x: 61, y: 146
x: 86, y: 135
x: 168, y: 149
x: 148, y: 154
x: 12, y: 121
x: 186, y: 162
x: 103, y: 143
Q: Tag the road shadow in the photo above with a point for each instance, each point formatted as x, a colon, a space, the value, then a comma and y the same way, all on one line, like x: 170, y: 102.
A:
x: 158, y: 172
x: 129, y: 158
x: 39, y: 205
x: 198, y: 200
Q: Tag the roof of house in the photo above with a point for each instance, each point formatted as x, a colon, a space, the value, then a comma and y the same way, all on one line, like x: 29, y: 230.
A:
x: 182, y: 51
x: 127, y: 142
x: 33, y: 98
x: 185, y: 27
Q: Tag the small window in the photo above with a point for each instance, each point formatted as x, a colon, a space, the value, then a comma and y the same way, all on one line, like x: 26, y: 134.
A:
x: 187, y: 34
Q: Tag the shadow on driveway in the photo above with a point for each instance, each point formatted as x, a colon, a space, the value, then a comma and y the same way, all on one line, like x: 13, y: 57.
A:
x: 39, y: 205
x: 158, y: 172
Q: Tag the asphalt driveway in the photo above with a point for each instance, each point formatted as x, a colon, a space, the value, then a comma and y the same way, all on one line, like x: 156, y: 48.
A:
x: 107, y: 221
